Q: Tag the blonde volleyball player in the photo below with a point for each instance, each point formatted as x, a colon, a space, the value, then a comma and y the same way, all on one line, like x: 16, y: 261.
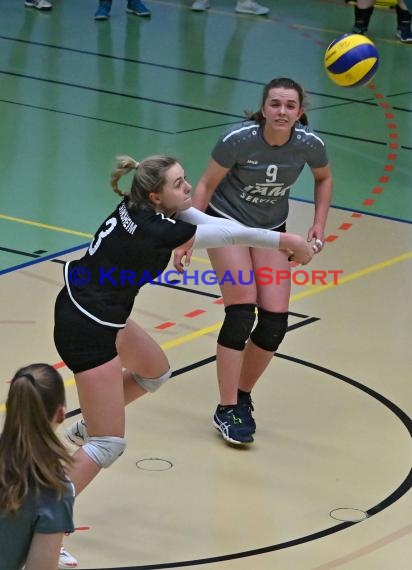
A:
x: 113, y: 359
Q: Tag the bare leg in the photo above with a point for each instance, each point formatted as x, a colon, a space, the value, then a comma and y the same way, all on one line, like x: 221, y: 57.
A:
x: 140, y: 353
x: 255, y: 363
x: 101, y: 398
x: 105, y: 390
x: 229, y: 361
x: 228, y: 365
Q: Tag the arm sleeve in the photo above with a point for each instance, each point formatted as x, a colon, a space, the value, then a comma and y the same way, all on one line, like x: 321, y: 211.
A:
x: 218, y: 232
x: 209, y: 236
x: 196, y: 217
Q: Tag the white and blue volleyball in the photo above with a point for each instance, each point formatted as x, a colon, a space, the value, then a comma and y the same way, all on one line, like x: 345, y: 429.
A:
x: 351, y: 60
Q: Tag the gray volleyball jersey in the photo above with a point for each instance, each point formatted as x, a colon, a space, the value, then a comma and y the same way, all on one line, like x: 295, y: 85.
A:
x: 255, y: 191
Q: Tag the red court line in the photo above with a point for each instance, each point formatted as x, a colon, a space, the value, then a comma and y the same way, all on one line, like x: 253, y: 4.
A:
x: 166, y: 325
x: 196, y: 313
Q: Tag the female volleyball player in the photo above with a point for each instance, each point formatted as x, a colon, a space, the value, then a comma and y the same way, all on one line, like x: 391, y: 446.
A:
x: 113, y: 359
x: 36, y: 498
x: 253, y: 166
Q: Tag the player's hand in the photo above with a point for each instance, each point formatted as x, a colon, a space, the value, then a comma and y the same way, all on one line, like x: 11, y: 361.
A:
x: 303, y: 252
x: 181, y: 258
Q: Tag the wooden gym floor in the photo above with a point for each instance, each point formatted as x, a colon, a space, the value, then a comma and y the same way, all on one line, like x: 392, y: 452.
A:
x: 327, y: 482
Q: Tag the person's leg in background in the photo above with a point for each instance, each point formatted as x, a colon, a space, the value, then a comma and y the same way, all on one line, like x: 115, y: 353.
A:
x: 403, y: 16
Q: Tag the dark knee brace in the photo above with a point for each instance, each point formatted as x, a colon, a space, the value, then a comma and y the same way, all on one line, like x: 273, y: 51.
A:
x: 270, y: 330
x: 238, y: 323
x: 362, y: 18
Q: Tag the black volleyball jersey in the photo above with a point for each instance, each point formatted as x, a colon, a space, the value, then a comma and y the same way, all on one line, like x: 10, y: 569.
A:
x: 255, y: 191
x: 128, y: 250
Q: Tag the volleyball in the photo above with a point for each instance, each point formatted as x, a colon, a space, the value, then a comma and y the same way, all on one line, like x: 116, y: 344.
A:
x: 351, y: 60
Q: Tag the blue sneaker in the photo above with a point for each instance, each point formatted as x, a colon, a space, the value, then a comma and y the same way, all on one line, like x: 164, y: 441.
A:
x: 404, y: 34
x: 245, y: 409
x: 138, y: 8
x: 103, y: 10
x: 230, y: 425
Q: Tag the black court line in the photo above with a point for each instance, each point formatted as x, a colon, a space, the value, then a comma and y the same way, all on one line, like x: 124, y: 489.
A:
x: 117, y: 123
x: 159, y: 65
x: 90, y: 117
x: 36, y: 254
x: 184, y: 131
x: 116, y: 93
x: 178, y: 68
x: 177, y: 132
x: 386, y: 502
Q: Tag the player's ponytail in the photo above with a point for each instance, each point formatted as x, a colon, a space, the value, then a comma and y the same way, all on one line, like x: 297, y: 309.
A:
x: 124, y: 165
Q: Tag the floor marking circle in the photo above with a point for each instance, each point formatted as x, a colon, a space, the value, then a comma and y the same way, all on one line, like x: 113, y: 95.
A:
x: 348, y: 514
x: 154, y: 464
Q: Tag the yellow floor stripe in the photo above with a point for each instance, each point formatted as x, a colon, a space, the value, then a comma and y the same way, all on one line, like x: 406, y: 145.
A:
x: 352, y: 276
x: 44, y: 226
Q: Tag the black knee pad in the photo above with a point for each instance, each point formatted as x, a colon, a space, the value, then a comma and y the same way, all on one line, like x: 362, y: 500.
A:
x: 270, y: 330
x: 238, y: 323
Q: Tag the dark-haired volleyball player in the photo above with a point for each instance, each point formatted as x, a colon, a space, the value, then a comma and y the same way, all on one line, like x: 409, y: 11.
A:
x: 253, y: 166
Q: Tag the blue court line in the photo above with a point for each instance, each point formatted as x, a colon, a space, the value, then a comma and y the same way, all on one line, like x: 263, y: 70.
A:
x: 40, y: 259
x: 355, y: 210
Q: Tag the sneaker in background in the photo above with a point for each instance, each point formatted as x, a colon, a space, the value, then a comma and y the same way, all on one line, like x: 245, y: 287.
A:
x: 77, y: 433
x: 39, y: 4
x: 404, y: 35
x: 66, y: 560
x: 251, y: 7
x: 103, y: 10
x: 200, y: 5
x: 138, y: 8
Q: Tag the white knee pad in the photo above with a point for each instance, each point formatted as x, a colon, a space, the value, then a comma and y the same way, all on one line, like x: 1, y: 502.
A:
x: 104, y: 450
x: 152, y: 384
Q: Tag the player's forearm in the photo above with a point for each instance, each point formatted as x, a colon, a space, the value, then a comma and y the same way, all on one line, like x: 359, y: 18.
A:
x: 323, y: 197
x: 201, y: 196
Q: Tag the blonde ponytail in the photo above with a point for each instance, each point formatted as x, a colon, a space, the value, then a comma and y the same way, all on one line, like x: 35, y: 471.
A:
x: 124, y: 165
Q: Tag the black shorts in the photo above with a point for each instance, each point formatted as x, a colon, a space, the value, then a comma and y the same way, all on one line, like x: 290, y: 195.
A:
x: 82, y: 343
x: 211, y: 212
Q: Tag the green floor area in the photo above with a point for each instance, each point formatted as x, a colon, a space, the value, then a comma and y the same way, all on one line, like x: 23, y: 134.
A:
x: 76, y: 93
